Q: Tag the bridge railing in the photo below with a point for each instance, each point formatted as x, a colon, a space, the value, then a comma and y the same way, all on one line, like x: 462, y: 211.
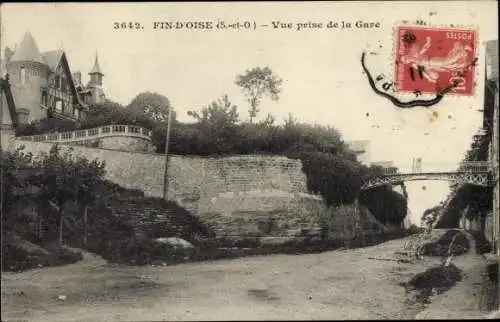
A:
x: 430, y: 167
x: 474, y: 166
x: 94, y: 133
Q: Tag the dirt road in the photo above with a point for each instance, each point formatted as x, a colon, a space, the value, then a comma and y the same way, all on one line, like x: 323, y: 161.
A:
x: 332, y: 285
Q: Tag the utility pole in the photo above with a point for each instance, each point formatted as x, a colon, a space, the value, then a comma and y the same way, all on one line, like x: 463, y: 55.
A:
x: 167, y: 141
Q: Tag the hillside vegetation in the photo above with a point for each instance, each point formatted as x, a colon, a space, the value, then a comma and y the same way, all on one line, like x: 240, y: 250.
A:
x: 72, y: 203
x: 476, y: 200
x: 330, y: 166
x: 57, y: 199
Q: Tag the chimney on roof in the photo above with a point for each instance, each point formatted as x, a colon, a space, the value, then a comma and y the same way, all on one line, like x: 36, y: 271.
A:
x: 8, y: 53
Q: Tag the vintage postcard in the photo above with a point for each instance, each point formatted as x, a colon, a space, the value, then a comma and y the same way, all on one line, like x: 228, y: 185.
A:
x: 249, y: 161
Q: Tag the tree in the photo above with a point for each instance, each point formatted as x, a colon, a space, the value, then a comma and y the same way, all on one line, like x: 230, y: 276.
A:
x: 336, y: 178
x: 63, y: 178
x: 152, y: 105
x: 87, y: 176
x: 386, y: 205
x: 298, y: 136
x: 107, y: 113
x: 219, y: 113
x: 257, y: 82
x: 431, y: 214
x: 47, y: 125
x: 268, y: 121
x: 219, y: 122
x: 15, y: 175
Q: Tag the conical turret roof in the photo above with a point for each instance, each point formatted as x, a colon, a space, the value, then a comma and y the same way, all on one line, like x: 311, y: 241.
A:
x: 28, y: 50
x: 96, y: 69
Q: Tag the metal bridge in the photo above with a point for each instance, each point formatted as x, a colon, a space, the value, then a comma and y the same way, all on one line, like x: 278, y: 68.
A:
x: 476, y: 172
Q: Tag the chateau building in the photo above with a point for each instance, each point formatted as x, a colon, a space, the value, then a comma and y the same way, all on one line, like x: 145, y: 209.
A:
x: 43, y: 85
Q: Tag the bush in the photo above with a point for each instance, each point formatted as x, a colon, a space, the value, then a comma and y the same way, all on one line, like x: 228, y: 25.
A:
x: 21, y: 255
x: 335, y: 177
x: 62, y: 255
x: 139, y: 249
x: 414, y: 229
x: 492, y: 271
x: 47, y: 125
x: 227, y: 248
x: 440, y: 247
x: 143, y: 250
x: 479, y: 199
x: 438, y: 278
x: 388, y: 206
x: 483, y: 246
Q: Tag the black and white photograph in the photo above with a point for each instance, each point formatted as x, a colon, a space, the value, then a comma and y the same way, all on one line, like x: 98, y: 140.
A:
x: 232, y: 161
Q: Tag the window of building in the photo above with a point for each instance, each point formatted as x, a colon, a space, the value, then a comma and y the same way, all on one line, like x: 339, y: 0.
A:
x: 77, y: 113
x: 59, y: 106
x: 63, y: 84
x: 44, y: 98
x: 22, y: 75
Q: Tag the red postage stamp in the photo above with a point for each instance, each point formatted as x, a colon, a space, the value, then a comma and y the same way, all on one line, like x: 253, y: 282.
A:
x: 429, y: 60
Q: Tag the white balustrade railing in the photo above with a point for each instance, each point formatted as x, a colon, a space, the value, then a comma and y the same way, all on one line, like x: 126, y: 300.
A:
x: 94, y: 133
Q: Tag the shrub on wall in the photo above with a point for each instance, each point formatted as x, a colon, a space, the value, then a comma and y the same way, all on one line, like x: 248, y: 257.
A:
x: 386, y: 205
x: 109, y: 113
x: 214, y: 134
x: 47, y: 125
x: 336, y: 178
x: 331, y: 168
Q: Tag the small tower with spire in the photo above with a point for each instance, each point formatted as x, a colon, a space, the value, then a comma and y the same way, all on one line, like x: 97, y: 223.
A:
x: 96, y: 74
x: 95, y: 83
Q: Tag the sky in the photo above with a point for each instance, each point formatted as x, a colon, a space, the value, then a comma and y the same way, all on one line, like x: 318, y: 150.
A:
x: 323, y: 79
